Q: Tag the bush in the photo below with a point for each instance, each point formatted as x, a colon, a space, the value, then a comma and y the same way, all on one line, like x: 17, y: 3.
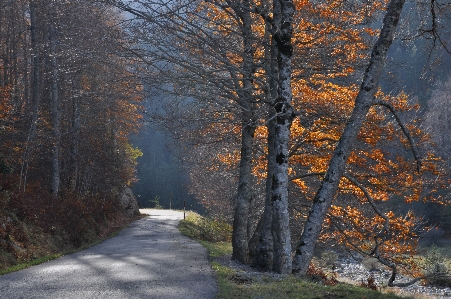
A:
x: 435, y: 265
x: 206, y: 229
x: 212, y: 230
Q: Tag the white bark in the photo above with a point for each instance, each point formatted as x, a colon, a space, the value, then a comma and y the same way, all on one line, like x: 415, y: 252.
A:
x: 337, y: 165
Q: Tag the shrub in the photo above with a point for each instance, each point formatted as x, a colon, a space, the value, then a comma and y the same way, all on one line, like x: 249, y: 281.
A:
x: 212, y: 230
x: 435, y: 265
x: 206, y: 229
x: 317, y: 274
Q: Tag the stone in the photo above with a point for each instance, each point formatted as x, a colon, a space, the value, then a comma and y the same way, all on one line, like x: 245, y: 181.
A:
x: 128, y: 202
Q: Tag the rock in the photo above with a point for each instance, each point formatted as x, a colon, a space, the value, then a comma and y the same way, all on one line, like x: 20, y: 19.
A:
x: 128, y: 202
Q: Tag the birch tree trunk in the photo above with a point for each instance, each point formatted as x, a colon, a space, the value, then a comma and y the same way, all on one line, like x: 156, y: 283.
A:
x: 365, y: 99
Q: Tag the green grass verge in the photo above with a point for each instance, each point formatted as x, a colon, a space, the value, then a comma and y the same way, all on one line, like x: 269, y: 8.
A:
x: 30, y: 263
x: 232, y: 286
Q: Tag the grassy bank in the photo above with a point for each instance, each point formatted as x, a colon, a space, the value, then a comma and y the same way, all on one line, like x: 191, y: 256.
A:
x: 41, y: 247
x: 215, y: 236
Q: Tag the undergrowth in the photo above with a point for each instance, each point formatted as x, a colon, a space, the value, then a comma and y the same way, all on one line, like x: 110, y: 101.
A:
x: 237, y: 284
x: 24, y: 244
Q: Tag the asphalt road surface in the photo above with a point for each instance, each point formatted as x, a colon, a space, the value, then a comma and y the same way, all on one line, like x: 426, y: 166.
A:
x: 150, y: 259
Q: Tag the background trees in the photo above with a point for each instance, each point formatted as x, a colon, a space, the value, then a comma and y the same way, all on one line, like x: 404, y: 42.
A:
x: 69, y: 105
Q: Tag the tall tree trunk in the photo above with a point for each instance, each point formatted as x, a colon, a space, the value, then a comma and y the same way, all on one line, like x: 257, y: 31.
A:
x: 35, y: 92
x: 75, y: 144
x: 365, y: 99
x: 25, y: 62
x: 264, y: 255
x: 240, y: 235
x: 56, y: 129
x: 284, y: 117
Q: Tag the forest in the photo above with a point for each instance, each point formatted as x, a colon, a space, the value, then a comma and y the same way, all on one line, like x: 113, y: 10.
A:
x: 302, y: 123
x: 68, y: 104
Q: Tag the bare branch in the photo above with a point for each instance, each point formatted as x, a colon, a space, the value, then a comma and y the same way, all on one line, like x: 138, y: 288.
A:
x: 404, y: 130
x: 301, y: 176
x: 371, y: 202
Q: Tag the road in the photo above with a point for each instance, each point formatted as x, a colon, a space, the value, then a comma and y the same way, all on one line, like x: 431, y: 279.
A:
x: 149, y: 259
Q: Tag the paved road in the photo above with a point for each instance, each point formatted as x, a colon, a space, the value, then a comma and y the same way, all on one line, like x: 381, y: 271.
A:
x: 150, y: 259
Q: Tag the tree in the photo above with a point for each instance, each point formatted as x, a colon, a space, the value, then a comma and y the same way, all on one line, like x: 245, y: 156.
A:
x: 211, y: 60
x: 216, y: 98
x: 365, y: 99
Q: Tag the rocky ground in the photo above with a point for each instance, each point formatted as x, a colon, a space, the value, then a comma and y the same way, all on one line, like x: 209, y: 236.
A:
x: 352, y: 271
x: 349, y: 271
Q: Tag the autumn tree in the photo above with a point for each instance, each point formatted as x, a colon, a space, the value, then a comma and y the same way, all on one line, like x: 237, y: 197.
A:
x: 365, y: 99
x: 197, y: 57
x: 216, y: 55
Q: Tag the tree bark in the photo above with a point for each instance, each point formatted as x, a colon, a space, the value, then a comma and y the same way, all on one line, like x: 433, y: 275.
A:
x: 56, y: 128
x: 75, y: 144
x: 35, y: 92
x: 264, y: 255
x: 365, y: 99
x: 284, y: 117
x: 240, y: 234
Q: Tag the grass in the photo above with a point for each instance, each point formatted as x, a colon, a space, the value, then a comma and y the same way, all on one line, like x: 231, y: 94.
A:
x: 28, y: 264
x: 289, y: 287
x: 234, y: 285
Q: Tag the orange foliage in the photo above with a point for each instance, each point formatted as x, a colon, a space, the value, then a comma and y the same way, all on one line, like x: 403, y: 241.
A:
x: 327, y: 50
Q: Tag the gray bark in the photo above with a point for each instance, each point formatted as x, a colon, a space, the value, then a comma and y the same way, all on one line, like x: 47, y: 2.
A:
x: 264, y: 255
x: 240, y: 237
x: 337, y: 165
x: 75, y: 144
x: 240, y: 234
x: 56, y: 128
x: 284, y: 117
x: 35, y: 93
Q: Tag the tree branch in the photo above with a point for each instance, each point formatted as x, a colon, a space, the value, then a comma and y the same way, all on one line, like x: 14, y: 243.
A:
x: 404, y: 130
x: 371, y: 202
x: 301, y: 176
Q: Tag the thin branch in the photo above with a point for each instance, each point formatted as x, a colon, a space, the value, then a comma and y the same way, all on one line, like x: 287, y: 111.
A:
x: 301, y: 176
x: 404, y: 130
x: 371, y: 201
